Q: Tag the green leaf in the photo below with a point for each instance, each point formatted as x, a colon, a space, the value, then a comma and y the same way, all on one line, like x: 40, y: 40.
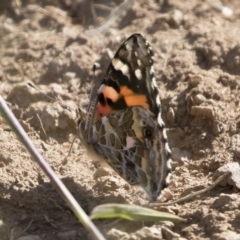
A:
x: 132, y: 213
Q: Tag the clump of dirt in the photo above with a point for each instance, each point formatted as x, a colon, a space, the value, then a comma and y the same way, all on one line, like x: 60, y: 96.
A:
x: 54, y: 44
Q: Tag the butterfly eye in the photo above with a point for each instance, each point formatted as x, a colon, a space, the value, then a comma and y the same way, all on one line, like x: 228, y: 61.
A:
x: 147, y: 132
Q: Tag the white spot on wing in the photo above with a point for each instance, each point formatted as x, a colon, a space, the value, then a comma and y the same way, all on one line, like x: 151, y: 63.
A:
x: 164, y: 134
x: 167, y: 149
x: 153, y: 83
x: 125, y: 70
x: 168, y: 178
x: 169, y: 163
x: 160, y: 121
x: 130, y: 142
x: 158, y: 101
x: 119, y: 65
x: 139, y: 62
x: 138, y: 74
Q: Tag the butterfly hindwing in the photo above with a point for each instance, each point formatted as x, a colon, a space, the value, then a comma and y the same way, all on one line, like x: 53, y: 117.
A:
x: 129, y: 140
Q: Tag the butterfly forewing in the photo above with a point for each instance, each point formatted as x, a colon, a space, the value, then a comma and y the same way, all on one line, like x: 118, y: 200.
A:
x: 130, y: 79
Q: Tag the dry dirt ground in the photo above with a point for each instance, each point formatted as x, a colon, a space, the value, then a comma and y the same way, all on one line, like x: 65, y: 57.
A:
x: 197, y: 65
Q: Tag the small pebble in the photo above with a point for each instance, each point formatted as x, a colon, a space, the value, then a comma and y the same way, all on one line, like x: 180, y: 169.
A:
x: 224, y: 200
x: 203, y: 111
x: 199, y: 99
x: 233, y: 179
x: 168, y: 234
x: 176, y: 18
x: 193, y: 81
x: 228, y: 235
x: 217, y: 128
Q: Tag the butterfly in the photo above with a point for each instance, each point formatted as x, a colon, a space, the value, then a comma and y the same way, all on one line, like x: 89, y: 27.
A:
x: 123, y: 125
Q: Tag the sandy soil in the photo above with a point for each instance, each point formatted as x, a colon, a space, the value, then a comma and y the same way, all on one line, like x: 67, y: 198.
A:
x: 196, y: 44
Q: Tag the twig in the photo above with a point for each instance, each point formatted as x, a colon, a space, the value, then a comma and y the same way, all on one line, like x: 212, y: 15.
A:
x: 50, y: 221
x: 42, y: 126
x: 49, y: 97
x: 115, y: 14
x: 193, y: 194
x: 21, y: 233
x: 64, y: 161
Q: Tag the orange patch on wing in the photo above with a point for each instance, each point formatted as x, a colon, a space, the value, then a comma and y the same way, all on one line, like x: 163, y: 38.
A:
x: 133, y: 99
x: 137, y: 100
x: 130, y: 97
x: 111, y: 93
x: 103, y: 110
x: 108, y: 92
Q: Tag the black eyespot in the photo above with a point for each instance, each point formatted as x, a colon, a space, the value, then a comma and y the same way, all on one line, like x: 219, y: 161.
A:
x: 147, y: 132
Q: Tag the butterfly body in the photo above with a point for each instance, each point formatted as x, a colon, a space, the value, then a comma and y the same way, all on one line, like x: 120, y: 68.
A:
x: 123, y: 126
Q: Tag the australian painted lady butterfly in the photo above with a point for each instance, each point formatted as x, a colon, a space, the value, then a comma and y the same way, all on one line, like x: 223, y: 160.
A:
x: 123, y: 125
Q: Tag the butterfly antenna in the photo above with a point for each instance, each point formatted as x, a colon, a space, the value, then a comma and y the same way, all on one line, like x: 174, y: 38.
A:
x: 32, y: 86
x: 51, y: 98
x: 55, y: 100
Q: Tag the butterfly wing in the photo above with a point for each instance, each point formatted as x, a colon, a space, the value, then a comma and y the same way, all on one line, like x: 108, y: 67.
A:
x: 126, y: 106
x: 130, y: 142
x: 130, y: 79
